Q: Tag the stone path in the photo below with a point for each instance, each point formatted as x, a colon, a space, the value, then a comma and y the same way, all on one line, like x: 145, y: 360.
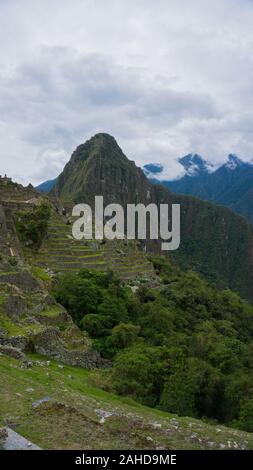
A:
x: 15, y: 441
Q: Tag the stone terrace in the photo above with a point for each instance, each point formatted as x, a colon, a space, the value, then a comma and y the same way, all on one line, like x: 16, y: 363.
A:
x: 61, y: 253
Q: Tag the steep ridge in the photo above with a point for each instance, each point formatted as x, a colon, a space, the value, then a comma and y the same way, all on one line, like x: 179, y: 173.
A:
x: 214, y: 241
x: 99, y: 167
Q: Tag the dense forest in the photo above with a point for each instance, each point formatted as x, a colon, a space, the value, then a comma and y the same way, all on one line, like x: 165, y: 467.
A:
x: 184, y: 347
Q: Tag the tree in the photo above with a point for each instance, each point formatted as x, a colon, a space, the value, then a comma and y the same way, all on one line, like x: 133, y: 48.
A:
x: 98, y: 326
x: 124, y: 335
x: 114, y: 308
x: 195, y: 390
x: 79, y: 296
x: 32, y: 225
x: 245, y: 421
x: 138, y: 373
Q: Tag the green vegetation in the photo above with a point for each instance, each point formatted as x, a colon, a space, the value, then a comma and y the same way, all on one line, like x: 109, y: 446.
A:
x: 61, y: 253
x: 185, y: 347
x: 32, y: 224
x: 71, y: 419
x: 215, y: 242
x: 42, y: 275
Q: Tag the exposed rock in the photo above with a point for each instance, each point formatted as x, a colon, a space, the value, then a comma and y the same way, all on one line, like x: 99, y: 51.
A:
x: 48, y: 300
x: 51, y: 407
x: 23, y: 343
x: 3, y: 433
x: 35, y: 201
x: 134, y: 289
x: 222, y: 446
x: 26, y: 365
x: 174, y: 422
x: 14, y: 441
x: 38, y: 309
x: 13, y: 352
x: 42, y: 363
x: 156, y: 425
x: 15, y: 307
x: 38, y: 403
x: 23, y: 280
x: 3, y: 228
x: 103, y: 415
x: 49, y: 343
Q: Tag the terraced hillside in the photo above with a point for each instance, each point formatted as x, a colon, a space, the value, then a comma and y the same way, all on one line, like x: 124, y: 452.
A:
x: 215, y: 242
x: 10, y: 191
x: 61, y: 252
x: 31, y: 320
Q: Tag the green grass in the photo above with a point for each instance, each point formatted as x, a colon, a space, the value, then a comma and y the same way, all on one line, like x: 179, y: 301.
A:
x: 11, y: 328
x: 76, y: 424
x: 40, y: 273
x: 53, y: 311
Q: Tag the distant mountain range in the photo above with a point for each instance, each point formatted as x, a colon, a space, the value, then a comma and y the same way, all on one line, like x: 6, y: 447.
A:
x: 46, y: 186
x: 230, y: 185
x: 214, y: 241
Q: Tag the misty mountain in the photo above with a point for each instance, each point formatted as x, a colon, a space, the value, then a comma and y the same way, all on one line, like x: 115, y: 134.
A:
x: 230, y: 185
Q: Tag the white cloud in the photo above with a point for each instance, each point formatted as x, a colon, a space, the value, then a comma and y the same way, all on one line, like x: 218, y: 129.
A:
x: 165, y: 78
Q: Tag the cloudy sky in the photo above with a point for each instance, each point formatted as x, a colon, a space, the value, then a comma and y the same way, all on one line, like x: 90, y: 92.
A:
x: 165, y: 77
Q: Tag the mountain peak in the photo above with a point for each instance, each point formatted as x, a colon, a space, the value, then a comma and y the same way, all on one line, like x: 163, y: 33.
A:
x: 102, y: 138
x: 99, y: 167
x: 194, y: 164
x: 152, y: 169
x: 101, y: 145
x: 233, y: 162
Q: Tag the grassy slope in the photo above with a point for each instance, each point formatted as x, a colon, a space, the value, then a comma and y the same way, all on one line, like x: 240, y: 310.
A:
x: 77, y: 426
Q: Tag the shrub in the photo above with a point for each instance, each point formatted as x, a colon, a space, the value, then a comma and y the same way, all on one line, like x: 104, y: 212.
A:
x: 32, y: 225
